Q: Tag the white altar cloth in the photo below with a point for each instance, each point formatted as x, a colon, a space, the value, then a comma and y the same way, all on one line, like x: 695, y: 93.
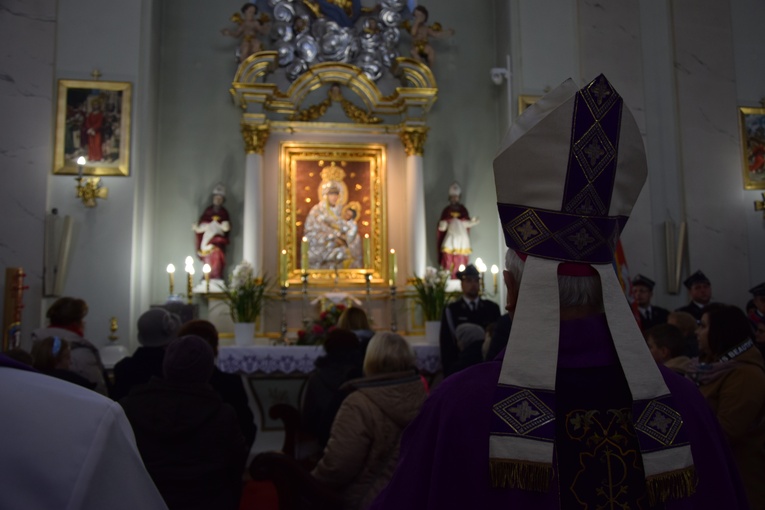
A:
x: 300, y: 359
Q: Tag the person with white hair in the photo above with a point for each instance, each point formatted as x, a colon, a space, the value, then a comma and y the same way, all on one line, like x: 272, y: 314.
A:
x: 576, y: 414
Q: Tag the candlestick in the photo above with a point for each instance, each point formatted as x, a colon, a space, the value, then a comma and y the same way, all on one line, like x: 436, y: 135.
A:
x: 392, y: 268
x: 283, y: 267
x: 494, y: 271
x: 367, y: 251
x: 171, y: 274
x: 304, y: 255
x: 190, y: 282
x: 206, y: 270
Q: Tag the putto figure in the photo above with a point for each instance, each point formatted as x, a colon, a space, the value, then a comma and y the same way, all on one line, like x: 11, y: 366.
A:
x: 453, y: 233
x: 421, y: 50
x: 249, y: 29
x: 212, y: 233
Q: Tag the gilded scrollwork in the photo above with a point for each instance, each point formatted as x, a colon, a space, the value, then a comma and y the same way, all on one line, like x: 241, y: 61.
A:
x: 353, y: 112
x: 414, y: 140
x: 255, y: 138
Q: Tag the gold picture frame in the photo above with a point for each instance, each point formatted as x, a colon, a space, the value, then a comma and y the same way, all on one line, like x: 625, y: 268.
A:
x: 524, y: 101
x: 308, y: 171
x: 752, y: 124
x: 93, y: 121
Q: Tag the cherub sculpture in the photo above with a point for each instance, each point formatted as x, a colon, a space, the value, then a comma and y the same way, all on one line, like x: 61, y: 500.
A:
x: 249, y: 30
x: 421, y: 50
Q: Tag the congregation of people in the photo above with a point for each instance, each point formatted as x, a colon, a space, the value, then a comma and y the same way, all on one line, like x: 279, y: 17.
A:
x: 573, y: 398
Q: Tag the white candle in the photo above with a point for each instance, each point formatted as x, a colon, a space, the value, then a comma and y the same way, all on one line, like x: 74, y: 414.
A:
x: 171, y: 275
x: 304, y: 254
x: 392, y: 268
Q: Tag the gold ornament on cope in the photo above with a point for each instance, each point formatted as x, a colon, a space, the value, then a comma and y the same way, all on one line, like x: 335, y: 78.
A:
x: 255, y: 138
x: 414, y: 140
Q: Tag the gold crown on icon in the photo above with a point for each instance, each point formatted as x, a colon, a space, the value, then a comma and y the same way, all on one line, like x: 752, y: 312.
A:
x: 332, y: 173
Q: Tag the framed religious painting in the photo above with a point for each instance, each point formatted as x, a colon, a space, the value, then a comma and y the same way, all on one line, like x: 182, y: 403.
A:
x: 93, y: 122
x: 332, y: 224
x: 752, y: 123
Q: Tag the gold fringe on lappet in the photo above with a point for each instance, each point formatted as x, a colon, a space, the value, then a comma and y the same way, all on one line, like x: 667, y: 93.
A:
x: 671, y: 485
x: 517, y: 474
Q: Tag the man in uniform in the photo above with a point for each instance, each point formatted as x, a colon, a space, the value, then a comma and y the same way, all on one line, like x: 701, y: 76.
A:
x: 469, y: 308
x: 576, y: 414
x: 642, y: 293
x: 700, y: 291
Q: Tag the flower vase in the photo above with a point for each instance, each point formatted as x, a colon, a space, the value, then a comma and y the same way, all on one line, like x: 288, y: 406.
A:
x: 432, y: 330
x: 244, y: 333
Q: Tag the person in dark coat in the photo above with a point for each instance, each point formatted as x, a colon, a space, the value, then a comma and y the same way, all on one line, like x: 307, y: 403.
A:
x: 156, y: 328
x: 700, y: 291
x: 228, y: 386
x: 322, y: 396
x: 470, y: 338
x: 470, y: 308
x: 188, y: 438
x: 642, y: 293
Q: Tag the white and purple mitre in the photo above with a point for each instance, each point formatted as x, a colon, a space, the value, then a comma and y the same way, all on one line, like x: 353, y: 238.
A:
x: 567, y: 177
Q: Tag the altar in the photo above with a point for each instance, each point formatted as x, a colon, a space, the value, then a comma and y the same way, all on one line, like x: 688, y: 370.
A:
x: 277, y: 374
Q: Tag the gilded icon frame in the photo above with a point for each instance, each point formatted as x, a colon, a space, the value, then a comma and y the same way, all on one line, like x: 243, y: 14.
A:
x: 76, y: 102
x: 300, y: 181
x: 752, y: 125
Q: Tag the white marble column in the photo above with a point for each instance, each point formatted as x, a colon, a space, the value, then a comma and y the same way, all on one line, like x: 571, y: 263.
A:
x: 252, y: 222
x: 416, y: 200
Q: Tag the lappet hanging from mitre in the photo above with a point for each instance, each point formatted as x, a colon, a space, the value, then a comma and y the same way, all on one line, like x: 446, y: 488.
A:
x: 325, y: 227
x: 454, y: 233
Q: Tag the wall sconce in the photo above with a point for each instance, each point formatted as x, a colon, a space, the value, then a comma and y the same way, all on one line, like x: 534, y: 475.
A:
x: 88, y: 190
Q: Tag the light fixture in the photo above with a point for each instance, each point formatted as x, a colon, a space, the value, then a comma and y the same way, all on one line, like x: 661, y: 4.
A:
x: 88, y: 190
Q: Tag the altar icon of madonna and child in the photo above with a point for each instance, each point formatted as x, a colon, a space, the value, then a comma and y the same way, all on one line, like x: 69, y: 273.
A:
x: 332, y: 225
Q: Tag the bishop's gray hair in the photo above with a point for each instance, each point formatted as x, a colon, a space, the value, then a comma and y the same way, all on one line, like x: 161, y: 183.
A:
x: 573, y: 290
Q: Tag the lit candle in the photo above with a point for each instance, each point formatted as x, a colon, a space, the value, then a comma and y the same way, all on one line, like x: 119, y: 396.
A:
x: 190, y: 282
x: 283, y: 267
x: 189, y: 261
x: 206, y: 270
x: 461, y: 268
x: 304, y: 255
x: 392, y: 268
x: 80, y: 162
x: 494, y: 271
x: 171, y: 274
x: 367, y: 251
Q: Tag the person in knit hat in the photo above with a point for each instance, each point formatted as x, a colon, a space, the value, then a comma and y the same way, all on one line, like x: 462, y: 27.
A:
x: 156, y: 328
x: 576, y: 414
x: 228, y: 386
x: 189, y: 439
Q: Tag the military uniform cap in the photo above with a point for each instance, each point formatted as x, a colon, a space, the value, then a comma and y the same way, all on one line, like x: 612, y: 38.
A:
x: 697, y: 277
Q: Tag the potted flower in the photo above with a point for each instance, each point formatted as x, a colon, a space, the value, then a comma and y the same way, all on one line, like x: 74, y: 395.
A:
x: 317, y: 332
x: 432, y: 297
x: 244, y: 295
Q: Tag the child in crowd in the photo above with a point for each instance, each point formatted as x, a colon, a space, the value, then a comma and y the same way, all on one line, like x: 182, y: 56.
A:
x: 667, y: 345
x: 52, y: 356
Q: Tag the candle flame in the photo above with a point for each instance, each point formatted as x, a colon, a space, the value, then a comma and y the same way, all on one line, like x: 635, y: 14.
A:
x: 206, y: 268
x: 170, y: 268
